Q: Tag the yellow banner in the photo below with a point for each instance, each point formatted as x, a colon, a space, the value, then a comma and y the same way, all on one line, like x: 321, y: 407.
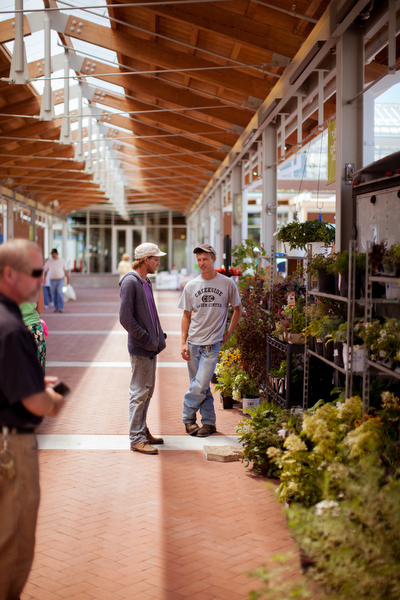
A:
x: 331, y: 152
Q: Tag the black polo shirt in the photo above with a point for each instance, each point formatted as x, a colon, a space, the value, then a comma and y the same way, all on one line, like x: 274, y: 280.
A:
x: 20, y: 372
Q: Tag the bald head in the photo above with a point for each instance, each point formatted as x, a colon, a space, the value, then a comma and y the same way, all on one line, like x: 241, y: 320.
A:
x: 15, y: 253
x: 21, y: 264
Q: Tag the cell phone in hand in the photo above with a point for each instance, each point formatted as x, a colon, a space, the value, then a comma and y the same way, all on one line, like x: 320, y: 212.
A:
x: 61, y: 388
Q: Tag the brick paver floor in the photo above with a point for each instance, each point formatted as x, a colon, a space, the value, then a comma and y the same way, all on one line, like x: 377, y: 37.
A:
x: 116, y: 524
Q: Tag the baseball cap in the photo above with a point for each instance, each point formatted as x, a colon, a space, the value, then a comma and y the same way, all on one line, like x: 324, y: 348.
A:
x: 205, y: 248
x: 148, y: 249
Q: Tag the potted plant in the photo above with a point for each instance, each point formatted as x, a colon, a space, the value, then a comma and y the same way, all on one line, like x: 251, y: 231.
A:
x: 298, y: 235
x: 313, y: 330
x: 321, y: 267
x: 228, y: 367
x: 290, y: 323
x: 245, y: 386
x: 391, y: 260
x: 341, y: 267
x: 266, y: 427
x: 329, y: 325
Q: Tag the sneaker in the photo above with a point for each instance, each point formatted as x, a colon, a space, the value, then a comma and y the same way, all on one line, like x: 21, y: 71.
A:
x: 191, y: 428
x: 144, y: 447
x: 153, y: 440
x: 206, y: 430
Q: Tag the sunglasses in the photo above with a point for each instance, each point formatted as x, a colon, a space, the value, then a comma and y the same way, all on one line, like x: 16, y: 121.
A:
x: 36, y: 273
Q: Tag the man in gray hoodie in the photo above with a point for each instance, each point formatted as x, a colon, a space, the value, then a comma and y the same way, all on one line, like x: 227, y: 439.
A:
x: 138, y: 315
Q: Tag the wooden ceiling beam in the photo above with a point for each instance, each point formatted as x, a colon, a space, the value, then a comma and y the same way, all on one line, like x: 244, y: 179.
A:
x: 174, y: 140
x: 168, y: 58
x: 214, y: 135
x: 269, y: 37
x: 160, y: 90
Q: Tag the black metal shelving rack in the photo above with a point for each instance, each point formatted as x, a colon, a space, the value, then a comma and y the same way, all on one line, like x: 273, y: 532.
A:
x: 288, y: 349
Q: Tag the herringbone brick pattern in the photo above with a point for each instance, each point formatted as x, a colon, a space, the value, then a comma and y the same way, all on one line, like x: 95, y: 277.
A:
x: 120, y: 525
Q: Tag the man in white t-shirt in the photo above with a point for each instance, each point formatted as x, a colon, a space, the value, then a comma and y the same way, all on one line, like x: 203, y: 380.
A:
x: 57, y: 270
x: 205, y: 301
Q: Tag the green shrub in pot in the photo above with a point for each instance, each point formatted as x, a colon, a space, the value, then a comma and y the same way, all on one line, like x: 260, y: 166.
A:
x: 299, y: 234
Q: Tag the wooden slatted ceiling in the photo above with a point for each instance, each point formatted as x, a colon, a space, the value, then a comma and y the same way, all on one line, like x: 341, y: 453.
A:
x: 180, y: 114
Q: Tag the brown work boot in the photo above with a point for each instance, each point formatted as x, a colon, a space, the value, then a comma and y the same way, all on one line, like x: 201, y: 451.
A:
x: 153, y: 440
x: 144, y: 448
x: 206, y: 430
x: 191, y: 428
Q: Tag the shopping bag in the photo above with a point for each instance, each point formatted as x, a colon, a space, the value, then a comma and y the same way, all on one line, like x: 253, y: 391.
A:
x: 69, y: 292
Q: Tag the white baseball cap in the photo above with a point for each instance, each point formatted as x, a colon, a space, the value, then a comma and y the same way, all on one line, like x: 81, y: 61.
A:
x: 148, y: 249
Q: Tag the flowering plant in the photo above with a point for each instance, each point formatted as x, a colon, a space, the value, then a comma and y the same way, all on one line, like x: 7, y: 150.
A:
x: 228, y: 367
x: 311, y: 461
x: 245, y: 386
x: 382, y: 339
x: 290, y: 320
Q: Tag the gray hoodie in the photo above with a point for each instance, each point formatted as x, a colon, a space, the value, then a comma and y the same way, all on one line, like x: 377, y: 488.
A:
x: 135, y: 317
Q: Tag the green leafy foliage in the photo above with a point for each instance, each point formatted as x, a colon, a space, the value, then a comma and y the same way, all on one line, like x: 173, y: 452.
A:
x: 298, y: 235
x: 258, y: 433
x: 252, y: 329
x: 249, y: 257
x: 354, y: 541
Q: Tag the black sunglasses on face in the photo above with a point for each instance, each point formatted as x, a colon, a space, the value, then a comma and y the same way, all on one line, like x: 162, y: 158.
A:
x: 36, y: 273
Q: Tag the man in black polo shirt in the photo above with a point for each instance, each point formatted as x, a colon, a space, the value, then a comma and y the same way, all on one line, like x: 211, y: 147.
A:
x: 25, y: 397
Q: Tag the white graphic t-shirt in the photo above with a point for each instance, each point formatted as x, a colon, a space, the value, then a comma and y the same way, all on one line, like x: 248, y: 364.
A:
x: 208, y: 300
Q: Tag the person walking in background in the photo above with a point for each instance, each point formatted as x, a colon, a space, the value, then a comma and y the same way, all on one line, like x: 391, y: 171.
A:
x: 205, y: 301
x: 47, y: 296
x: 26, y: 395
x: 31, y: 312
x: 124, y: 265
x: 57, y: 270
x: 138, y: 315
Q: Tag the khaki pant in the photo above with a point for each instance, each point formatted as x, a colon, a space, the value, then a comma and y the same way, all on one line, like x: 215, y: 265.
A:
x: 19, y: 503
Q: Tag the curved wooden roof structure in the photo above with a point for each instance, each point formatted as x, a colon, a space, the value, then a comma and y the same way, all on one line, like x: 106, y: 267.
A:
x: 186, y: 80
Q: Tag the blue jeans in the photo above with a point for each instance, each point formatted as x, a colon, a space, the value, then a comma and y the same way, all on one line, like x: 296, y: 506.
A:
x: 57, y: 293
x: 141, y: 388
x: 47, y: 296
x: 201, y: 367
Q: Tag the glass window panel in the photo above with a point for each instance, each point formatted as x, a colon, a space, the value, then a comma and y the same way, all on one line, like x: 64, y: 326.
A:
x: 159, y: 218
x: 100, y: 249
x: 134, y: 219
x: 121, y: 244
x: 179, y: 248
x: 178, y: 219
x: 254, y: 234
x: 100, y: 218
x: 254, y: 219
x: 76, y: 249
x: 159, y: 236
x: 77, y: 219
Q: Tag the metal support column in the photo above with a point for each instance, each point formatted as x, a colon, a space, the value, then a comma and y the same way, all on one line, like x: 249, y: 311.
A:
x: 236, y: 206
x: 64, y: 241
x: 270, y: 186
x: 9, y: 233
x: 219, y: 224
x: 349, y: 127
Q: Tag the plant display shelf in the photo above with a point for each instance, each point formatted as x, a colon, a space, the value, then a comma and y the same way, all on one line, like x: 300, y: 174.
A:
x: 383, y: 369
x: 350, y: 300
x: 370, y: 301
x: 325, y: 360
x: 330, y: 296
x: 288, y: 349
